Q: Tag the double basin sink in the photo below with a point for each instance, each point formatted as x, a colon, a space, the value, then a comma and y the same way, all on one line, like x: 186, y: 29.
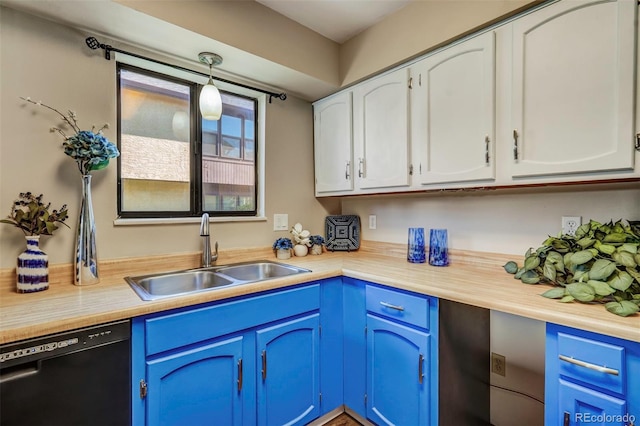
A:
x: 169, y: 284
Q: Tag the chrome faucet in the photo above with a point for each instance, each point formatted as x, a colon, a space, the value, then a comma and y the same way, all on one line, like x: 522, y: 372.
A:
x: 207, y: 257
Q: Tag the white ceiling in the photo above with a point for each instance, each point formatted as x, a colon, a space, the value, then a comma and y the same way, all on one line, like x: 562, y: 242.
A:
x: 338, y: 20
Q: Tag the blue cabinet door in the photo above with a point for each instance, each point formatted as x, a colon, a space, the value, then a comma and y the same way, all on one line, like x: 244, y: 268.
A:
x: 288, y: 360
x: 579, y: 405
x: 398, y: 379
x: 197, y: 387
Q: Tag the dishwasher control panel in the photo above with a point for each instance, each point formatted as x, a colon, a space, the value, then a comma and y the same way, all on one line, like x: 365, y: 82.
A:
x: 46, y: 347
x: 62, y: 343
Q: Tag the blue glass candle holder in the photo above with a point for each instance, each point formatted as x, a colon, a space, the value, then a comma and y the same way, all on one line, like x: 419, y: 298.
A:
x: 415, y: 246
x: 438, y: 250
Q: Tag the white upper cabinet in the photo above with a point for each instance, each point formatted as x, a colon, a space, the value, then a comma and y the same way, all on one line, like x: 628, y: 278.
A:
x: 333, y: 148
x: 381, y: 131
x: 572, y: 90
x: 453, y: 113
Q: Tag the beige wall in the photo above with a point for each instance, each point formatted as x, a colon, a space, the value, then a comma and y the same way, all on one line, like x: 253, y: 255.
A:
x: 50, y: 62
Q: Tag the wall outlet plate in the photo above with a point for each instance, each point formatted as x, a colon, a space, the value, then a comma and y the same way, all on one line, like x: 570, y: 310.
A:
x: 570, y: 224
x: 498, y: 364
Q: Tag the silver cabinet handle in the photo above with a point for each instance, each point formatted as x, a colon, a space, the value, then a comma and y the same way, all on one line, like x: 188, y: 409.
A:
x: 588, y: 365
x: 637, y: 141
x: 420, y: 368
x: 347, y: 168
x: 390, y: 306
x: 239, y: 374
x: 486, y: 149
x: 360, y: 167
x: 410, y: 82
x: 515, y: 145
x: 264, y: 365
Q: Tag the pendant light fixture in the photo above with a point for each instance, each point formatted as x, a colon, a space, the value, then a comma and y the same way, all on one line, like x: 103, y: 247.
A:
x: 210, y: 100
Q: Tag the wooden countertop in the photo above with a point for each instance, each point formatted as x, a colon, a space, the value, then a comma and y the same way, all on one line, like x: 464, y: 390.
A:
x: 473, y: 278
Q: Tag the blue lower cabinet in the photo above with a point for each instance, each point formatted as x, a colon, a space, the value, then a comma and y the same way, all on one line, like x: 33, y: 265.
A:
x: 198, y: 386
x: 398, y: 373
x: 354, y: 317
x: 401, y: 357
x: 578, y: 405
x: 204, y: 365
x: 590, y: 378
x: 288, y: 372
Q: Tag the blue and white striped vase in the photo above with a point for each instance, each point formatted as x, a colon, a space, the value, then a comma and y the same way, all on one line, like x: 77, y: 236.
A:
x: 33, y: 267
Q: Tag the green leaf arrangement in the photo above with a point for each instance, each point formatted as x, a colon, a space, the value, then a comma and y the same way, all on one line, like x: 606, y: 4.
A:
x: 600, y: 264
x: 33, y: 217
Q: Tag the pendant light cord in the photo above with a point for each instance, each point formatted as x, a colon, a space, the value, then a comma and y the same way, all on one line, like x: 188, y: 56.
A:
x: 94, y: 44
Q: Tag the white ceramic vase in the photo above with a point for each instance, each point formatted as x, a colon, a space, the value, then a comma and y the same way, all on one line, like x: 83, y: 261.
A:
x: 300, y: 250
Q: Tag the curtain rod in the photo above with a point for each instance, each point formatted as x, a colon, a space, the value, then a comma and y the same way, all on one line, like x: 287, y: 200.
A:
x: 94, y: 44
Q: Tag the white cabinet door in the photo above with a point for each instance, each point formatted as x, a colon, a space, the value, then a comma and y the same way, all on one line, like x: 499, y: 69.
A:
x: 453, y: 113
x: 572, y: 88
x: 381, y: 131
x: 333, y: 148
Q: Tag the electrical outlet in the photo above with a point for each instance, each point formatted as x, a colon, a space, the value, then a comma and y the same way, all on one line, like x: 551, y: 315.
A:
x: 372, y: 221
x: 498, y: 364
x: 570, y: 224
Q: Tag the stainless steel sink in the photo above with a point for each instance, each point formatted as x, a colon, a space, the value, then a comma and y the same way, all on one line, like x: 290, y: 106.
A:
x: 169, y: 284
x: 259, y: 271
x: 150, y: 287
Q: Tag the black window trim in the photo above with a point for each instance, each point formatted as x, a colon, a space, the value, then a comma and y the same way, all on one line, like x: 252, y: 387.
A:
x: 195, y: 184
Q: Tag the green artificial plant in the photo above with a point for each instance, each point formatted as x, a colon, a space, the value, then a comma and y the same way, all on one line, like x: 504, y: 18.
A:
x: 599, y: 264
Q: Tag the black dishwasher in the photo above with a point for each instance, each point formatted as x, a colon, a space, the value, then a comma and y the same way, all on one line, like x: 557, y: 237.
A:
x: 80, y: 377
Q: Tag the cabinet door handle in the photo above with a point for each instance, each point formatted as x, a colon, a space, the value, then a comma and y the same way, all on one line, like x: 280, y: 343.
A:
x: 486, y: 149
x: 390, y: 306
x: 588, y: 365
x: 567, y: 419
x: 264, y: 365
x: 410, y: 82
x: 360, y: 167
x: 347, y: 168
x: 420, y: 368
x: 239, y: 374
x: 637, y: 141
x: 515, y: 145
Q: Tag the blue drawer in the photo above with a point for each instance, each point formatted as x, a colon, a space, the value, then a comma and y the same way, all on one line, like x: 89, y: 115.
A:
x: 169, y: 331
x: 596, y: 363
x: 393, y: 304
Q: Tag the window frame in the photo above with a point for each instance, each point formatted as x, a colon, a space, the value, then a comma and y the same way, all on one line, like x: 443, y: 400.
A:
x: 196, y: 186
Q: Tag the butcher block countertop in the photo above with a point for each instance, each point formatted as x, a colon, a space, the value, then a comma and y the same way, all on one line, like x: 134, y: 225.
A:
x: 473, y: 278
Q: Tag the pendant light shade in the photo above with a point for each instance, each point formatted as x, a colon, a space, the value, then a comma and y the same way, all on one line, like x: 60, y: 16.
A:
x: 210, y: 100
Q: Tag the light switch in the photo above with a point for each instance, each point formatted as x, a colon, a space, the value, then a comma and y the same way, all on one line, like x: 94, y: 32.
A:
x: 280, y: 222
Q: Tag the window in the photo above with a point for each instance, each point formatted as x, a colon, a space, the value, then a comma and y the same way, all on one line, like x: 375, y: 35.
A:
x: 173, y: 163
